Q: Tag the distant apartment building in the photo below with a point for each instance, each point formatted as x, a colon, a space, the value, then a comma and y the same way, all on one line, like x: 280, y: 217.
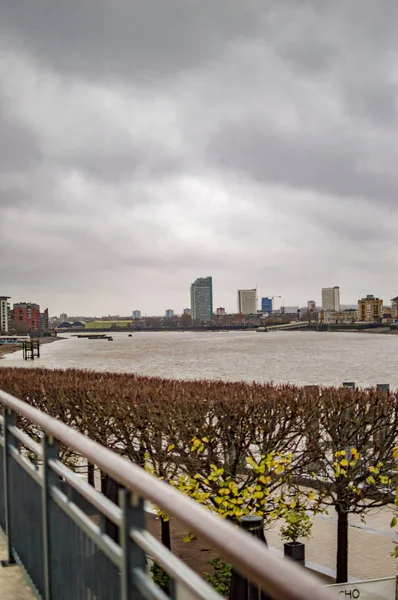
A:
x: 169, y: 313
x: 63, y: 317
x: 332, y: 317
x: 247, y: 302
x: 394, y: 308
x: 331, y: 298
x: 386, y: 313
x: 187, y: 311
x: 202, y: 299
x: 44, y: 320
x: 370, y: 309
x: 329, y: 317
x: 267, y: 305
x: 311, y: 306
x: 220, y: 311
x: 291, y: 310
x: 136, y: 314
x: 349, y: 316
x: 5, y: 317
x: 27, y: 313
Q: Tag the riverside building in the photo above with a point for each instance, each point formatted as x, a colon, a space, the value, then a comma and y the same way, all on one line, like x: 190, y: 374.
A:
x: 331, y: 298
x: 202, y: 299
x: 4, y: 314
x: 247, y: 302
x: 370, y: 309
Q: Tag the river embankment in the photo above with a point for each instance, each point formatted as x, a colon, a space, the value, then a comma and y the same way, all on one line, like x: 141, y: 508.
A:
x: 11, y: 348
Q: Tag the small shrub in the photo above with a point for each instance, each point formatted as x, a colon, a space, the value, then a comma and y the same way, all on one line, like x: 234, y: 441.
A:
x: 220, y: 577
x: 297, y: 525
x: 161, y: 578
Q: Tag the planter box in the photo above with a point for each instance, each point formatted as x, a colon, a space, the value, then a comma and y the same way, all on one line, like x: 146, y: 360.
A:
x: 295, y: 551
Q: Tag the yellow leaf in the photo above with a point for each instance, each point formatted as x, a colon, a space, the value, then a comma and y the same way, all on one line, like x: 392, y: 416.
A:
x: 344, y: 462
x: 170, y: 448
x: 205, y: 440
x: 354, y: 451
x: 265, y: 480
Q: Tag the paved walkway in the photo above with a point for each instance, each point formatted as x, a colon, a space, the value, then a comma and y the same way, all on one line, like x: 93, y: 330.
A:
x: 371, y: 545
x: 12, y: 581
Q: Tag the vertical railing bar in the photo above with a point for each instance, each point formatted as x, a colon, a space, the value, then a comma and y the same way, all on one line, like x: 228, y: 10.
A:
x: 133, y: 558
x: 9, y: 419
x: 50, y: 451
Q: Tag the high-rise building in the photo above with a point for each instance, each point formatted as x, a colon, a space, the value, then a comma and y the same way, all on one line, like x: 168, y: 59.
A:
x: 202, y: 299
x: 370, y: 309
x: 331, y: 298
x: 267, y: 305
x: 63, y: 317
x: 220, y: 311
x: 44, y: 320
x: 29, y: 313
x: 4, y: 314
x: 187, y: 311
x: 247, y: 302
x: 394, y: 308
x: 169, y: 313
x: 136, y: 314
x: 311, y: 305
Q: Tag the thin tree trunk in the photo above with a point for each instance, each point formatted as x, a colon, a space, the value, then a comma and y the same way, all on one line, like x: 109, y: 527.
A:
x: 90, y: 474
x: 165, y: 533
x: 342, y: 546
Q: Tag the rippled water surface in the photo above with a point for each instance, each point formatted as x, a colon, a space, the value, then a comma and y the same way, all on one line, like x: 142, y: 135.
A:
x: 296, y: 357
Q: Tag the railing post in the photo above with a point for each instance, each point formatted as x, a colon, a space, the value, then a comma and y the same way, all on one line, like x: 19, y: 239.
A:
x: 50, y: 451
x: 9, y: 419
x: 134, y: 559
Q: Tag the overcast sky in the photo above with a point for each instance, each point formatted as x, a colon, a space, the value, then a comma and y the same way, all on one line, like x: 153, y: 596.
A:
x: 144, y: 144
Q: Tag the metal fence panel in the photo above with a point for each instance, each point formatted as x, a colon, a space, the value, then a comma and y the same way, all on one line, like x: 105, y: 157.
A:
x: 80, y: 570
x: 27, y: 523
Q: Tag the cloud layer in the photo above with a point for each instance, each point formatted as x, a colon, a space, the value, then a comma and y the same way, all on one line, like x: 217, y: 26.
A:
x: 143, y: 145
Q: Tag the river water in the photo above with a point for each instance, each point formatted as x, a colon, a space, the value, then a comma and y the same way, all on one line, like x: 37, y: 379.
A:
x: 296, y: 357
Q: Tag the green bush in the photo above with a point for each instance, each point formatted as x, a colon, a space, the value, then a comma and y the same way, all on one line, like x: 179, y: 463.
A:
x: 161, y: 578
x: 220, y: 577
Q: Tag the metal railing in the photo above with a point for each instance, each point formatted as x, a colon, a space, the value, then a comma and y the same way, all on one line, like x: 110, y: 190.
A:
x: 55, y: 524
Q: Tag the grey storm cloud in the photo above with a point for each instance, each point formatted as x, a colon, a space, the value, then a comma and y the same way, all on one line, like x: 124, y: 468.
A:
x: 144, y: 144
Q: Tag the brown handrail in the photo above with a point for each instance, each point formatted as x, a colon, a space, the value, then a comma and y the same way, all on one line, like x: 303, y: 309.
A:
x: 280, y: 579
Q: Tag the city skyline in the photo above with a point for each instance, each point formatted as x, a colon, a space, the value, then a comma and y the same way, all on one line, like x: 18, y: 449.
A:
x: 245, y: 148
x: 333, y: 303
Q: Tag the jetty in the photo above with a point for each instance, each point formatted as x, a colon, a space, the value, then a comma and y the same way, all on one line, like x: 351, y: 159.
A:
x: 31, y: 349
x: 95, y: 336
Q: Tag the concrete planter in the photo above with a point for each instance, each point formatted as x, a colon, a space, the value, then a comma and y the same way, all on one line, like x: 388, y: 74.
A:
x: 295, y: 551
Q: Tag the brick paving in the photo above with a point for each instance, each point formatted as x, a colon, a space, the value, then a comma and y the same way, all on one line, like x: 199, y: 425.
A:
x: 371, y: 545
